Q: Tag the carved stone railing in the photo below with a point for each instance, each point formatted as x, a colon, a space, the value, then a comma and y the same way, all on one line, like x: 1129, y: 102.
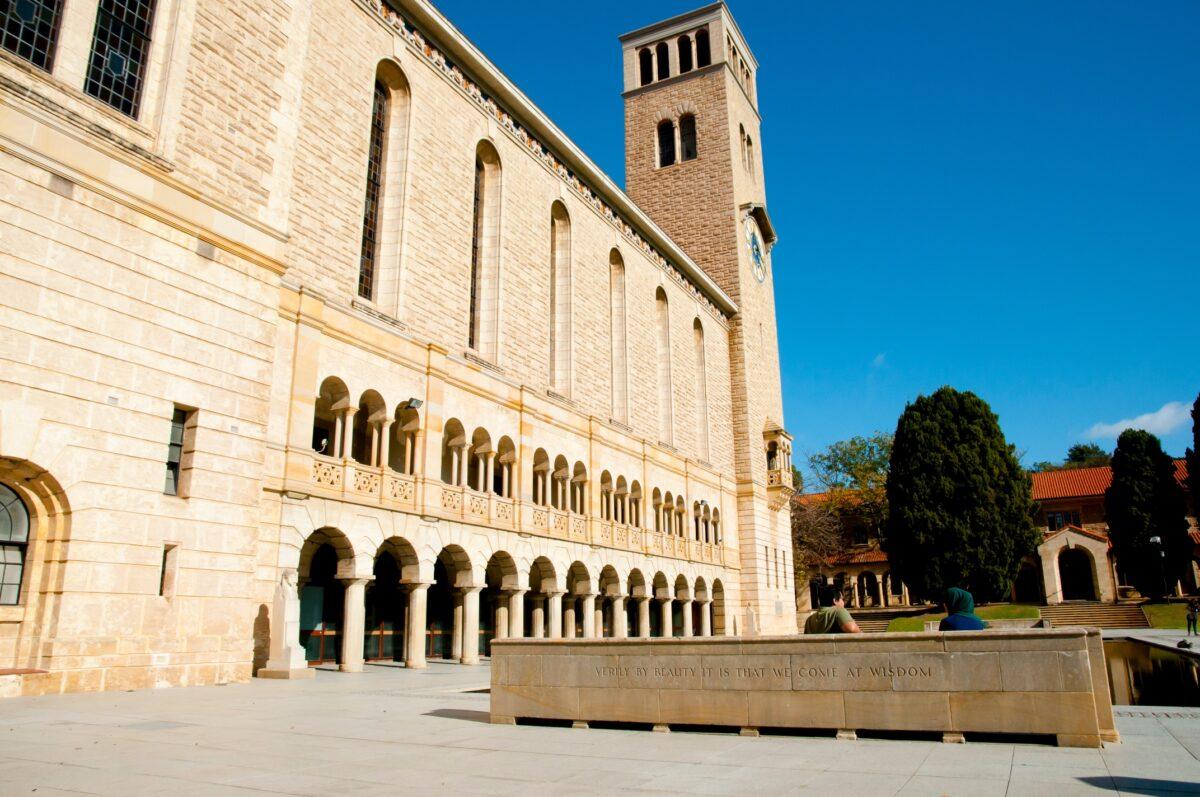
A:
x: 779, y: 488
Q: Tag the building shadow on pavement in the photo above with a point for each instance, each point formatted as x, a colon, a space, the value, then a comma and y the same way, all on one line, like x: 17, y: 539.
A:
x: 1150, y: 786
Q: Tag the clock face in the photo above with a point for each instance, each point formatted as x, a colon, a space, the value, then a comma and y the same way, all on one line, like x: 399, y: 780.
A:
x: 754, y: 244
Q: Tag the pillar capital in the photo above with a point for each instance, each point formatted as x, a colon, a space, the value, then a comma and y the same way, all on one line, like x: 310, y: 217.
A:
x: 417, y: 586
x: 355, y: 581
x: 470, y: 590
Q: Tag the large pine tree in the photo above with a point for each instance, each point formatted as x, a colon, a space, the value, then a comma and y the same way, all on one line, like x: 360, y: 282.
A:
x: 960, y: 511
x: 1144, y: 502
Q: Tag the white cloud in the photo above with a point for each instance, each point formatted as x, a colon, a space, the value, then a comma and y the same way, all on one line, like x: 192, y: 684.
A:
x: 879, y: 360
x: 1171, y: 417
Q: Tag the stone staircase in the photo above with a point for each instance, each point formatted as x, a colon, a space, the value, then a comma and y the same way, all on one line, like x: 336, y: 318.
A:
x: 875, y: 621
x: 1095, y: 615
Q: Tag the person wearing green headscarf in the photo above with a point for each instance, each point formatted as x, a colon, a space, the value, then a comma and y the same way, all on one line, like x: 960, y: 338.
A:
x: 960, y: 612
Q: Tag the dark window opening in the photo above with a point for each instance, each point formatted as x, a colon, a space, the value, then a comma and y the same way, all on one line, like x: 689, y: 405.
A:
x: 685, y: 55
x: 703, y: 51
x: 646, y: 66
x: 1060, y: 520
x: 476, y: 242
x: 14, y: 541
x: 29, y: 30
x: 175, y: 451
x: 370, y: 234
x: 687, y: 138
x: 120, y: 51
x: 666, y: 143
x: 663, y: 54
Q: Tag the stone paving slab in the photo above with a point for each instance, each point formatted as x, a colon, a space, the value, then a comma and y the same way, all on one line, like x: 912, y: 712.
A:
x: 392, y: 731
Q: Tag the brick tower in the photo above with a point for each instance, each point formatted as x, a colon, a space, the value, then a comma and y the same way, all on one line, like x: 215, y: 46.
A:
x: 694, y: 163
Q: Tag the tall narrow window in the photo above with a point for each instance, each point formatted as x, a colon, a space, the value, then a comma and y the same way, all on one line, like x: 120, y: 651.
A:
x: 662, y: 53
x: 120, y: 53
x: 371, y: 207
x: 646, y: 66
x: 14, y: 542
x: 560, y: 299
x: 617, y: 315
x: 687, y: 138
x: 663, y: 317
x: 750, y: 155
x: 701, y: 390
x: 180, y: 448
x: 685, y: 55
x: 29, y: 30
x: 485, y: 252
x: 666, y: 143
x: 703, y: 49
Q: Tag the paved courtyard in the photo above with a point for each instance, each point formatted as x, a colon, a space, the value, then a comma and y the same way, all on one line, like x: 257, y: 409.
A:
x: 392, y: 731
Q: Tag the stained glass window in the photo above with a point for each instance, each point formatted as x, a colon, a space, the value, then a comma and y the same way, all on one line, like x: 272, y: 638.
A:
x: 370, y: 236
x: 14, y: 540
x: 29, y: 29
x: 120, y: 52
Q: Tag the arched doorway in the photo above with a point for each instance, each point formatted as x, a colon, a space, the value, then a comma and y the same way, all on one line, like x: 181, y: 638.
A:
x: 500, y: 579
x: 542, y: 583
x: 1075, y: 575
x: 386, y: 605
x: 610, y: 587
x: 682, y: 593
x: 578, y: 583
x: 868, y: 589
x: 700, y: 606
x: 719, y: 627
x: 633, y: 603
x: 661, y: 593
x: 322, y: 606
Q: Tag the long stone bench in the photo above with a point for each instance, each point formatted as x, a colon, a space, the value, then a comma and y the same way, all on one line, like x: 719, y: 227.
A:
x: 1044, y: 682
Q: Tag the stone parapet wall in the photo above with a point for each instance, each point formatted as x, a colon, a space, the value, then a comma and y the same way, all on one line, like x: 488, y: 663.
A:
x: 1017, y: 682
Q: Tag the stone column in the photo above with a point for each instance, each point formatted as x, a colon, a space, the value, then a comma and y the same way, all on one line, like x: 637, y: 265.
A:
x: 589, y: 616
x: 620, y: 621
x: 668, y: 626
x: 687, y: 617
x: 505, y: 480
x: 904, y: 594
x: 555, y: 613
x: 385, y: 444
x: 414, y: 655
x: 879, y: 592
x: 501, y: 624
x: 516, y: 613
x: 354, y: 624
x: 456, y: 641
x: 644, y: 618
x: 470, y: 635
x: 599, y: 623
x: 854, y: 595
x: 538, y: 616
x: 568, y: 619
x: 706, y: 618
x: 489, y: 480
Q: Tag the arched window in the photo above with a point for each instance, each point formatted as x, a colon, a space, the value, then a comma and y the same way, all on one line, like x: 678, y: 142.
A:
x: 14, y: 543
x: 703, y: 49
x: 663, y: 341
x: 716, y: 527
x: 646, y: 66
x: 606, y: 496
x: 620, y: 368
x: 379, y: 260
x: 560, y: 299
x: 579, y: 483
x: 687, y: 137
x: 480, y: 459
x: 666, y: 143
x: 329, y: 418
x: 742, y: 144
x: 454, y: 444
x: 506, y: 458
x: 701, y: 390
x: 366, y: 440
x: 29, y: 30
x: 663, y: 54
x: 697, y: 522
x: 668, y: 514
x: 685, y: 55
x: 371, y: 206
x: 621, y: 502
x: 560, y: 478
x: 402, y: 456
x: 541, y: 477
x: 635, y: 504
x: 750, y: 155
x: 485, y: 252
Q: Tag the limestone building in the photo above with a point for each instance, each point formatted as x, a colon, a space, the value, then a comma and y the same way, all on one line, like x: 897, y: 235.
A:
x: 308, y: 293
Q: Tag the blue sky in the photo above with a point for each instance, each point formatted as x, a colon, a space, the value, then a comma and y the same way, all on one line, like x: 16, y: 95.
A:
x: 999, y: 196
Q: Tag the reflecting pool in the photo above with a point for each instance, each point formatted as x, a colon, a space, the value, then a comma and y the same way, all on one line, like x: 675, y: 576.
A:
x: 1145, y: 675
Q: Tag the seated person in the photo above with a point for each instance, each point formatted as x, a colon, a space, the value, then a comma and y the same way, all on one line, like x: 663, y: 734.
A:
x: 832, y: 617
x: 960, y: 612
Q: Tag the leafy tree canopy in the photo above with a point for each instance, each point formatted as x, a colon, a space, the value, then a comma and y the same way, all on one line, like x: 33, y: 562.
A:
x: 959, y: 505
x: 1193, y: 458
x: 853, y: 474
x: 1144, y: 504
x: 1080, y: 455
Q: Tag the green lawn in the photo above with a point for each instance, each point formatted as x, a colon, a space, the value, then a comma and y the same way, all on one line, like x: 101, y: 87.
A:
x: 1166, y: 615
x: 1000, y: 611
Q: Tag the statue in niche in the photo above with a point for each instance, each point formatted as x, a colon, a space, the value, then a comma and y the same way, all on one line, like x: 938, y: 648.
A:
x: 287, y: 657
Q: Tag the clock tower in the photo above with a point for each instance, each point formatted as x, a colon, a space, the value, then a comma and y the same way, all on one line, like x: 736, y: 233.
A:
x: 693, y: 162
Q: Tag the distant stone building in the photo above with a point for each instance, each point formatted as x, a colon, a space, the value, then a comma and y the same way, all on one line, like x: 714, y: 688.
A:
x: 311, y: 286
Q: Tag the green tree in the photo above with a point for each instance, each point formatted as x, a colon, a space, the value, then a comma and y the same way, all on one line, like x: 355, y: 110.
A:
x: 1087, y: 455
x: 1145, y: 502
x: 1193, y: 458
x: 853, y: 473
x: 959, y: 505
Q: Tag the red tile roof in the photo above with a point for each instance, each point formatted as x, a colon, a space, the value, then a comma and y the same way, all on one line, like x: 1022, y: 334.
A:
x: 870, y: 557
x: 1085, y: 482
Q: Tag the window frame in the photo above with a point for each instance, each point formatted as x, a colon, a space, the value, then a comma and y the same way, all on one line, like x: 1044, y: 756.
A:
x: 111, y: 27
x: 51, y: 35
x: 20, y: 547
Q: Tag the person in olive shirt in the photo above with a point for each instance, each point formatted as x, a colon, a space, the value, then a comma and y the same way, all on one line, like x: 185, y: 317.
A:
x: 832, y: 617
